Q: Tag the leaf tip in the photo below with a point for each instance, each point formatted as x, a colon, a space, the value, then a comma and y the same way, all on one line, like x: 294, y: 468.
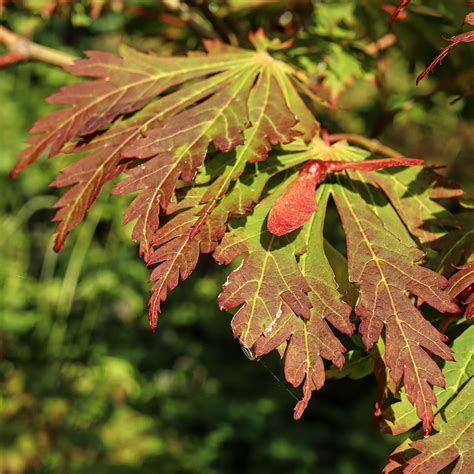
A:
x: 153, y: 320
x: 58, y: 244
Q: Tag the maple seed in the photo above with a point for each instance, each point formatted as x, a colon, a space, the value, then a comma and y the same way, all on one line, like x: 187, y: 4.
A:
x: 297, y: 204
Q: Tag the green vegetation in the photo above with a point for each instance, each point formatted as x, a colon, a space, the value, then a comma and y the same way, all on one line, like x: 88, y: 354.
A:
x: 86, y: 386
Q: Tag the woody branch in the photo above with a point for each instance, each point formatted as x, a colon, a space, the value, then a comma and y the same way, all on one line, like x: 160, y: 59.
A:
x: 21, y: 49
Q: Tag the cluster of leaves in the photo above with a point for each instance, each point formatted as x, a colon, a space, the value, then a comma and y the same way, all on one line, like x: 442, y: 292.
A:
x: 214, y: 144
x: 111, y: 395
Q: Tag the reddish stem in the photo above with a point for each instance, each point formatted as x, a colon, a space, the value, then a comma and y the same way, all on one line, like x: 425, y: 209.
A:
x: 398, y: 11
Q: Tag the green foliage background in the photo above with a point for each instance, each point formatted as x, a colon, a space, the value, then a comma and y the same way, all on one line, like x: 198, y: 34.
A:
x: 85, y: 386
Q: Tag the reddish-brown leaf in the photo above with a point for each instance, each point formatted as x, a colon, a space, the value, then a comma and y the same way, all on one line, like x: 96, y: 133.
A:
x: 104, y: 160
x: 386, y: 271
x: 461, y: 286
x: 309, y: 342
x: 124, y: 84
x: 230, y: 98
x: 254, y: 111
x: 198, y: 228
x: 177, y: 149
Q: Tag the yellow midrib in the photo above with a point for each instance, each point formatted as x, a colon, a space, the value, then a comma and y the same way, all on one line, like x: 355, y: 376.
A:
x: 385, y: 283
x: 123, y: 89
x: 190, y: 145
x: 122, y: 145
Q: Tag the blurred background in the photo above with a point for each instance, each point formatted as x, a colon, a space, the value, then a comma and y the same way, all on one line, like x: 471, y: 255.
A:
x: 86, y: 387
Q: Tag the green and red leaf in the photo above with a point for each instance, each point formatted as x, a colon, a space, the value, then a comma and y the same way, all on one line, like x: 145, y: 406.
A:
x: 452, y: 442
x: 219, y: 150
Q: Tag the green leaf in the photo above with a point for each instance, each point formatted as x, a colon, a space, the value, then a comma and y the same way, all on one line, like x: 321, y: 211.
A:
x: 412, y: 192
x: 455, y: 247
x: 401, y: 416
x: 452, y: 442
x: 276, y: 296
x: 455, y: 432
x: 357, y: 366
x: 268, y: 277
x: 385, y: 269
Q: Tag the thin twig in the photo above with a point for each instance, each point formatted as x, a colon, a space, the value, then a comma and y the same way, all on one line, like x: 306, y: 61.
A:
x: 217, y: 23
x: 372, y: 49
x: 22, y: 49
x: 12, y: 57
x: 235, y: 26
x: 195, y: 21
x: 370, y: 144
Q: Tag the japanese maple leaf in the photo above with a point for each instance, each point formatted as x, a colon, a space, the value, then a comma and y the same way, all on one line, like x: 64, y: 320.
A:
x: 281, y: 302
x: 162, y: 114
x: 385, y: 269
x: 103, y: 158
x: 413, y: 192
x: 401, y: 417
x: 310, y: 342
x: 453, y: 440
x: 384, y: 263
x: 198, y: 223
x: 451, y: 444
x: 166, y: 122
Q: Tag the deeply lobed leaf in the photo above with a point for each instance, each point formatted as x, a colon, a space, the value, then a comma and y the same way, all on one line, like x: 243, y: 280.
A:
x: 385, y: 269
x: 453, y: 440
x: 309, y: 342
x: 206, y: 138
x: 193, y: 102
x: 454, y: 426
x: 401, y: 416
x: 283, y: 302
x: 123, y: 85
x: 202, y: 225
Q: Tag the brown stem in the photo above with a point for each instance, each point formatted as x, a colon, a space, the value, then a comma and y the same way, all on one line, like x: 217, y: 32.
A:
x: 217, y: 23
x: 370, y: 144
x: 195, y: 22
x: 22, y: 49
x: 12, y: 57
x: 235, y: 27
x: 372, y: 49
